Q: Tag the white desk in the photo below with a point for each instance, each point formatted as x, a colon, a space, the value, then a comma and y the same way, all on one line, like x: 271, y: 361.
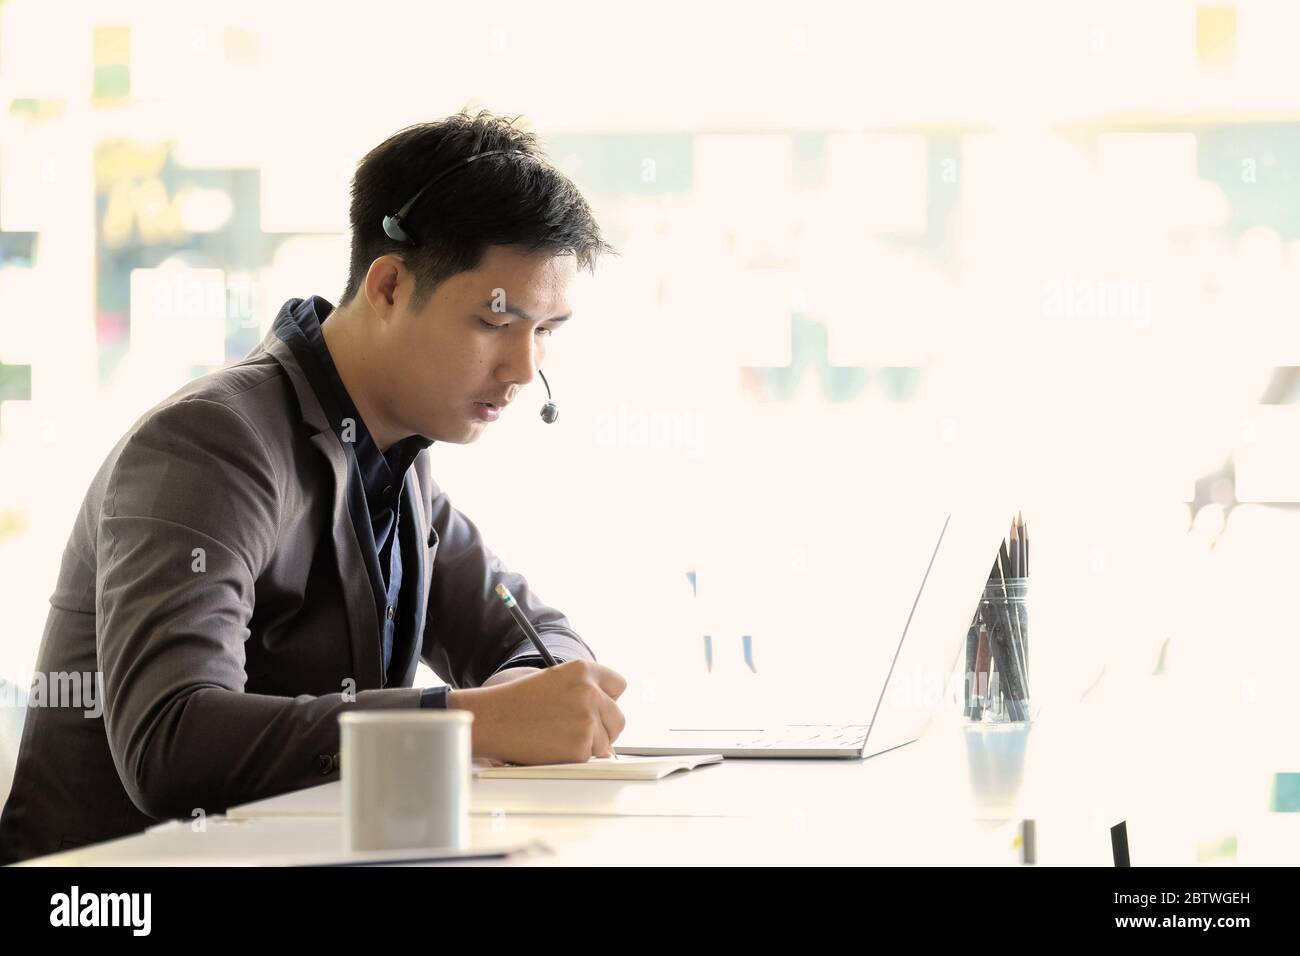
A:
x: 938, y: 801
x: 753, y: 789
x: 738, y: 812
x: 565, y: 840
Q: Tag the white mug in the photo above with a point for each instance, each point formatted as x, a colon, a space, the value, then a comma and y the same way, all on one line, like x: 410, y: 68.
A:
x: 406, y: 778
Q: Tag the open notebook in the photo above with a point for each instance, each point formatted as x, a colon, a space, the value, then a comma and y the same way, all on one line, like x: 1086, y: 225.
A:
x: 604, y: 768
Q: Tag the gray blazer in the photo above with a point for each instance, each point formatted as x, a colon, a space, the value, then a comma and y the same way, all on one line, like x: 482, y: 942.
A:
x: 215, y: 584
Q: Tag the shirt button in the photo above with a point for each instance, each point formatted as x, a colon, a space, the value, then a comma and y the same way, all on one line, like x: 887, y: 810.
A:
x: 388, y: 612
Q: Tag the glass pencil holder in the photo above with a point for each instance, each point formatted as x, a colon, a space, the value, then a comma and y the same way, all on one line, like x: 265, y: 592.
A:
x: 998, y: 689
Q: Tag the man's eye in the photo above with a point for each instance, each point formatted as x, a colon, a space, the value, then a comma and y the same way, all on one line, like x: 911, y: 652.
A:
x: 493, y: 327
x: 542, y: 331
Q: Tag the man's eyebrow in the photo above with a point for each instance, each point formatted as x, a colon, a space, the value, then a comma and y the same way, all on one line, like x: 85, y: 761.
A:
x: 492, y: 306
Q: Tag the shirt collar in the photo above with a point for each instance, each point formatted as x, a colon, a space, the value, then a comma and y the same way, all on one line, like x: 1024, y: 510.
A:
x: 299, y: 326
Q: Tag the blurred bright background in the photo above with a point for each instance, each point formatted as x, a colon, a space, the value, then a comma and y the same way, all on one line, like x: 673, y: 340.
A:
x: 873, y: 260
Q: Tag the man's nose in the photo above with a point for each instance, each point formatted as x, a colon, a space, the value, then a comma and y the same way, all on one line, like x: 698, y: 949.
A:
x: 519, y: 364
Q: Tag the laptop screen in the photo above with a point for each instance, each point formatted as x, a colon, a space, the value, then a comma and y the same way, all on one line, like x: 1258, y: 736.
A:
x: 922, y: 668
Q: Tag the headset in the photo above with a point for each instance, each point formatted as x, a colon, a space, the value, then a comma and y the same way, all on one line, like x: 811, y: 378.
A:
x: 396, y: 229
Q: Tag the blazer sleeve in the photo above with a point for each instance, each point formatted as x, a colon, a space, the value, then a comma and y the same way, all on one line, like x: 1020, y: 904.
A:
x: 189, y: 520
x: 468, y: 633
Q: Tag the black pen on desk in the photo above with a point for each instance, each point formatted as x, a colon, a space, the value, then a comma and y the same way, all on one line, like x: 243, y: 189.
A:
x: 526, y: 626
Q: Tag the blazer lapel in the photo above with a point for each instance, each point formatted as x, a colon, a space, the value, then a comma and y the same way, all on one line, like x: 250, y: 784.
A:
x: 355, y: 587
x: 414, y: 529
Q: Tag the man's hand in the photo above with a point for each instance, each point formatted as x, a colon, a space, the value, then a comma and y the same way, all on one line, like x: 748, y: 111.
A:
x: 561, y: 714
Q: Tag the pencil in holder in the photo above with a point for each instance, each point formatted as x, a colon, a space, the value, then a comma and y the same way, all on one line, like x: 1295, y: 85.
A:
x: 997, y: 654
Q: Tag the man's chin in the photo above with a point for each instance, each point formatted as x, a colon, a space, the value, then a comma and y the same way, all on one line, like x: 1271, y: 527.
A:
x: 455, y: 430
x: 465, y: 435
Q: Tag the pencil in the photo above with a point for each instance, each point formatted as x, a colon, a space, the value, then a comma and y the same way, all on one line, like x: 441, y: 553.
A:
x: 1017, y: 690
x: 525, y: 625
x: 1014, y: 567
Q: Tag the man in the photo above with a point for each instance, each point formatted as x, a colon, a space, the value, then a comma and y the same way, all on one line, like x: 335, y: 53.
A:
x: 267, y: 547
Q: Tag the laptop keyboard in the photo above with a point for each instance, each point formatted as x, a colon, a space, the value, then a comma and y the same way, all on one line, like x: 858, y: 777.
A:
x: 794, y: 737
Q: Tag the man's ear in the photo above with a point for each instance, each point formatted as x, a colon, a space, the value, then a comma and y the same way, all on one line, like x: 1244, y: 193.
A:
x: 384, y: 282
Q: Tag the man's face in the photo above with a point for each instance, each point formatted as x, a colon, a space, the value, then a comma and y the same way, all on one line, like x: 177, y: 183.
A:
x: 480, y: 338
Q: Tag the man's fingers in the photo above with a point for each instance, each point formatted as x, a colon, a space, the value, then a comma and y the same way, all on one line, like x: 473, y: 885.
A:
x: 611, y: 718
x: 600, y: 746
x: 610, y: 681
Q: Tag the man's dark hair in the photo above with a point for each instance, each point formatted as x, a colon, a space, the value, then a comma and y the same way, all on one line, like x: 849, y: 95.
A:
x: 497, y: 200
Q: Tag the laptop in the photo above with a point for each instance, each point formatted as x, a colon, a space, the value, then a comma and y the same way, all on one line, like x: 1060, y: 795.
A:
x: 916, y: 666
